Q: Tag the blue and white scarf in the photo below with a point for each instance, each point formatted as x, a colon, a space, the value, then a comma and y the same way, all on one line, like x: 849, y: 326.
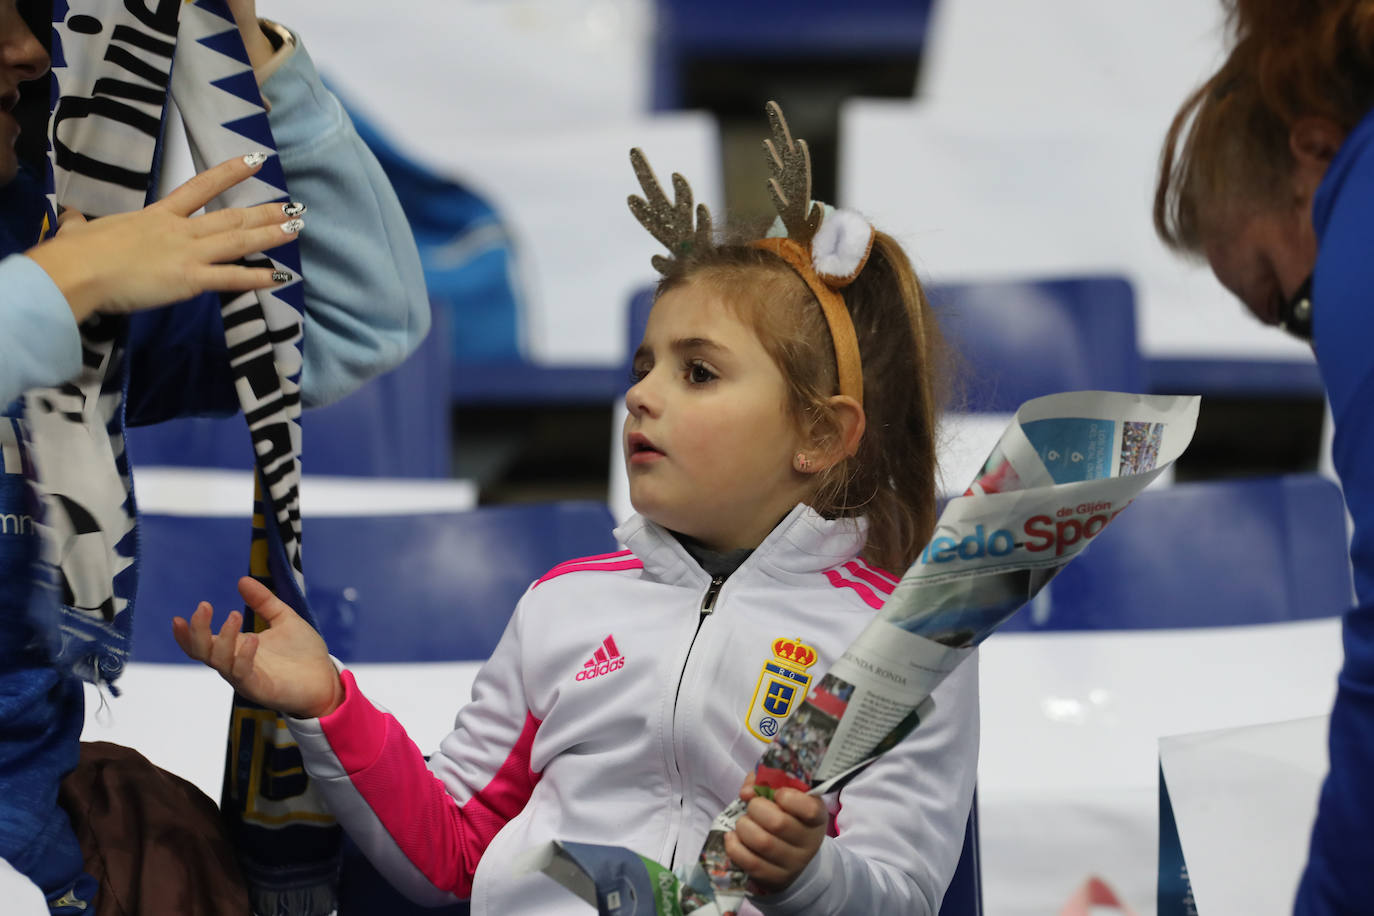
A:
x: 114, y: 66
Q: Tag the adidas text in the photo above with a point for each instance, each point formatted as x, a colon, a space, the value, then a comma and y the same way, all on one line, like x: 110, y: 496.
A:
x: 615, y: 664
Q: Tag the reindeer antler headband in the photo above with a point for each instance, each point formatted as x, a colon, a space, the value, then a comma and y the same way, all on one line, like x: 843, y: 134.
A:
x: 827, y: 248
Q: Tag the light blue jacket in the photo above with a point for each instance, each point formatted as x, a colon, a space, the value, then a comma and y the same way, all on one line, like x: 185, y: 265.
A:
x: 366, y: 307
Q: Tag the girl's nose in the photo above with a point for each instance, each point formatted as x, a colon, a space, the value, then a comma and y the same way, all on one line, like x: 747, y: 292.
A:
x: 639, y: 399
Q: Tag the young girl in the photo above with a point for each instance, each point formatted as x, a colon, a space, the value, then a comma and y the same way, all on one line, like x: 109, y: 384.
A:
x: 780, y: 449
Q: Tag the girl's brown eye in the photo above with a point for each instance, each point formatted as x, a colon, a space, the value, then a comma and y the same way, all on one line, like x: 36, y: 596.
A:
x: 698, y: 374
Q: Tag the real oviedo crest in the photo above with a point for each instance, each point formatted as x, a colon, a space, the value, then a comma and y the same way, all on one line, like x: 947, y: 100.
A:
x: 781, y: 688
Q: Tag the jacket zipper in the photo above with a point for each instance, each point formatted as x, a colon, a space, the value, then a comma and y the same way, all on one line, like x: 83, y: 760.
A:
x: 708, y: 606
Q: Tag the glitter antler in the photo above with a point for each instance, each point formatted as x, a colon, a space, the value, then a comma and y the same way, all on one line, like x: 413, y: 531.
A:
x: 670, y: 223
x: 790, y: 185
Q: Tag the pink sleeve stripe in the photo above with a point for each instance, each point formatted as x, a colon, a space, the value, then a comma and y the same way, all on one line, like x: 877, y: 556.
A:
x: 592, y: 559
x: 588, y: 567
x: 863, y: 591
x: 442, y: 839
x: 869, y: 576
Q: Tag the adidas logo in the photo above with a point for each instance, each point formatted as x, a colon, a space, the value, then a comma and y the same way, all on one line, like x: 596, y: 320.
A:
x: 605, y: 660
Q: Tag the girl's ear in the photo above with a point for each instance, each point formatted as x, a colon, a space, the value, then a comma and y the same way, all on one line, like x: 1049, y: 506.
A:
x: 845, y: 424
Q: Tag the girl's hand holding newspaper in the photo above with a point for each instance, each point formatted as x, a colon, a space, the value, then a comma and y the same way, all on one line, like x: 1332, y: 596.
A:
x: 776, y: 838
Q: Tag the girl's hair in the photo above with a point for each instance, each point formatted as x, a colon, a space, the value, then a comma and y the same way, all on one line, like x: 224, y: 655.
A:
x: 1228, y: 146
x: 891, y: 479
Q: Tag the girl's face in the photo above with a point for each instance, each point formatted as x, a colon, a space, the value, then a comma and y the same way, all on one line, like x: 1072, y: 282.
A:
x: 709, y: 440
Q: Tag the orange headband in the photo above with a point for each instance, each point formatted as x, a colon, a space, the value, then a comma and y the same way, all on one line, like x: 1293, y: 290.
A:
x: 848, y: 367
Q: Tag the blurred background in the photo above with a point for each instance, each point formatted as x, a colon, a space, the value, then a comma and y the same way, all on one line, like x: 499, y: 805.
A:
x: 1012, y: 149
x: 999, y: 143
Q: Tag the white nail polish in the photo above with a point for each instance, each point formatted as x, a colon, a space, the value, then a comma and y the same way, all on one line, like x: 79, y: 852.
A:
x: 292, y: 226
x: 253, y: 160
x: 295, y: 208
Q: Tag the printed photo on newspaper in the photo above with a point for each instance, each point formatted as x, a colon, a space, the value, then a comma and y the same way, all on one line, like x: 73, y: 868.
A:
x: 1066, y: 465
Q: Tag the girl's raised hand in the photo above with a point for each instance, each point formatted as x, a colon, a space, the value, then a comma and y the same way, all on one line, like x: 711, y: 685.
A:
x: 162, y: 254
x: 775, y: 839
x: 285, y: 667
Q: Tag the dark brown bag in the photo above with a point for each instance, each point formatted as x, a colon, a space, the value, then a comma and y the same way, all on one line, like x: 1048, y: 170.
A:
x: 153, y: 841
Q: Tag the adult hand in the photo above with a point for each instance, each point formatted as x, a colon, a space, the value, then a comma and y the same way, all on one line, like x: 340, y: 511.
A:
x: 161, y: 254
x: 285, y: 667
x: 775, y: 839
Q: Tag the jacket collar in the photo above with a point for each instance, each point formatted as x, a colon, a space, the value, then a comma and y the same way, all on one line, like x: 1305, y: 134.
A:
x: 803, y: 542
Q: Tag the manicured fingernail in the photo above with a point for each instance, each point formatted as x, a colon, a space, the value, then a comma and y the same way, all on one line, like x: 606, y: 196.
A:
x: 253, y: 160
x: 292, y: 226
x: 295, y: 208
x: 280, y: 276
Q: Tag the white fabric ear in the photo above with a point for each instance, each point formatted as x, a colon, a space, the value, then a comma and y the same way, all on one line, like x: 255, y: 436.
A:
x: 840, y: 247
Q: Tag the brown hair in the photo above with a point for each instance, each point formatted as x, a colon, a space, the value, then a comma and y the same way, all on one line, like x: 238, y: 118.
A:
x: 891, y: 479
x: 1228, y: 145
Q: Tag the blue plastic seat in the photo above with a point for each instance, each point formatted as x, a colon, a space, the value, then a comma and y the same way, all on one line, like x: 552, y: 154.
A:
x: 1207, y: 554
x: 414, y: 588
x: 396, y: 425
x: 813, y: 29
x: 1020, y: 340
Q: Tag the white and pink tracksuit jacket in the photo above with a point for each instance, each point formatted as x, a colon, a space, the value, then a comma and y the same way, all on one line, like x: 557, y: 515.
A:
x: 615, y: 711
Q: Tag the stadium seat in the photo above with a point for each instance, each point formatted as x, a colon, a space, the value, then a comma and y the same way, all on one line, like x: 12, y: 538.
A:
x: 414, y: 588
x: 1207, y: 554
x: 396, y: 425
x: 1019, y: 340
x: 713, y: 30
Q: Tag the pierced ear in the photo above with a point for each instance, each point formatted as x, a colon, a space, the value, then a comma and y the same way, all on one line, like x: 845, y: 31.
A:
x: 846, y: 422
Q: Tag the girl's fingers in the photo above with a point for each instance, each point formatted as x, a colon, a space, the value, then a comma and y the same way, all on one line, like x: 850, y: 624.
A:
x: 808, y: 809
x: 209, y: 184
x: 243, y: 659
x: 755, y: 866
x: 181, y: 632
x: 198, y: 632
x: 265, y: 604
x: 222, y: 649
x: 767, y: 847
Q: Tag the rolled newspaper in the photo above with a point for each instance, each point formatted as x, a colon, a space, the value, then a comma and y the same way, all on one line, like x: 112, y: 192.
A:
x: 1066, y: 466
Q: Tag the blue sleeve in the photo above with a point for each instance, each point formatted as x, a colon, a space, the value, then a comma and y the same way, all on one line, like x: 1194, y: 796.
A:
x: 366, y: 304
x: 40, y: 344
x: 366, y: 308
x: 1338, y: 878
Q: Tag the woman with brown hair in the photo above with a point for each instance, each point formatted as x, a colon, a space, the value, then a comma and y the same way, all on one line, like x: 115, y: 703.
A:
x: 1268, y: 173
